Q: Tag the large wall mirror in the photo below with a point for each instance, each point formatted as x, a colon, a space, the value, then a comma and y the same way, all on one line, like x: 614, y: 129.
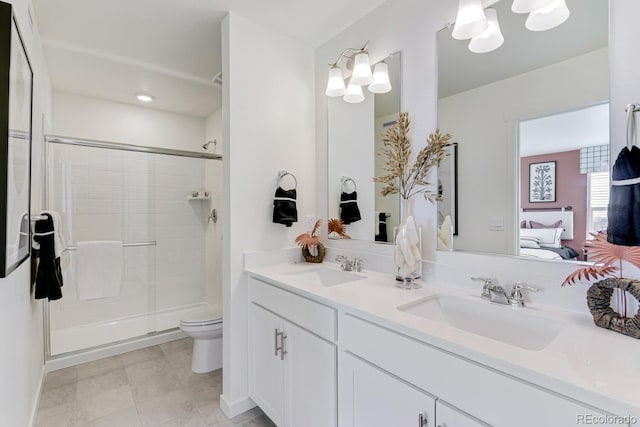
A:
x: 531, y: 122
x: 355, y: 136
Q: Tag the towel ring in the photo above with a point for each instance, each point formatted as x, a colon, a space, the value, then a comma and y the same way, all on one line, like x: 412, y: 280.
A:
x: 282, y: 174
x: 346, y: 179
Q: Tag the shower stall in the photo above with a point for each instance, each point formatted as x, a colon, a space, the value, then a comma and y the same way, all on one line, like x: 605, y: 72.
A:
x: 159, y: 206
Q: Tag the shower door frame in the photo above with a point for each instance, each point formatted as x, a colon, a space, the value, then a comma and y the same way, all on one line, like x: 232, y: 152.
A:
x: 93, y: 143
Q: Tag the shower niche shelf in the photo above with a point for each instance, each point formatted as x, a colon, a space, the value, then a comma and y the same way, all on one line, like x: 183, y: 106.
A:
x: 199, y: 195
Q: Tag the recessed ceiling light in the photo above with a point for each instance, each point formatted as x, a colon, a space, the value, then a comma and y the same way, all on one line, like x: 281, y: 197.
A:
x: 144, y: 97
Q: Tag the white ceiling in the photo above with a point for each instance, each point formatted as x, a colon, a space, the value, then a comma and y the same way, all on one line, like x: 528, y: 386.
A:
x: 587, y: 29
x: 169, y: 48
x: 565, y: 132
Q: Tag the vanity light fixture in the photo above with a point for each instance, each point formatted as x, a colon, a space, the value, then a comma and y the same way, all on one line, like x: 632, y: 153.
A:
x: 491, y: 38
x: 482, y: 27
x: 354, y: 94
x: 361, y: 75
x: 381, y: 82
x: 361, y: 70
x: 335, y: 85
x: 547, y: 15
x: 144, y: 97
x: 470, y: 21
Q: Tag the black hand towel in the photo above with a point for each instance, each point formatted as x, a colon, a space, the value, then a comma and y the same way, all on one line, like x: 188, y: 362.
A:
x: 382, y: 227
x: 284, y: 207
x: 349, y: 211
x: 624, y: 200
x: 49, y: 274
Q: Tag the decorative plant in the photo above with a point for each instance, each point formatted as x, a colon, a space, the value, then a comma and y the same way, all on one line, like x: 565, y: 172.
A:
x: 312, y: 249
x: 399, y: 176
x: 336, y: 226
x: 607, y: 259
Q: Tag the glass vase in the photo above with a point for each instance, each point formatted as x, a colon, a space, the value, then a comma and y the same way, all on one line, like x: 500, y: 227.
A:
x: 407, y: 254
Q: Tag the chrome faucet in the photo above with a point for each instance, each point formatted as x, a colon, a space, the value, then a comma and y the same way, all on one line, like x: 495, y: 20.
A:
x: 495, y: 293
x: 348, y: 265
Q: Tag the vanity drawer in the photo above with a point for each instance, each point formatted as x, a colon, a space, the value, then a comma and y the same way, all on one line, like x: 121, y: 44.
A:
x: 485, y: 393
x: 313, y: 316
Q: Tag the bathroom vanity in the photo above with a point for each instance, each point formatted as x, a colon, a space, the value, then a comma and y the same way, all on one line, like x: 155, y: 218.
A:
x: 328, y: 347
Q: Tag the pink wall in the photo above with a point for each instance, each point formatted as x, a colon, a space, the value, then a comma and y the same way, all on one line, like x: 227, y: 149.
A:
x: 571, y: 190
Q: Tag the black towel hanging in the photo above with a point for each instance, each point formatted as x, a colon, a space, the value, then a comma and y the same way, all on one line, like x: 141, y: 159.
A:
x: 382, y: 227
x: 284, y: 202
x: 349, y: 211
x: 48, y: 275
x: 624, y: 199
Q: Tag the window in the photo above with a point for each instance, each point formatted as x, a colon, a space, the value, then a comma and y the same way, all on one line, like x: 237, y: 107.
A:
x: 598, y: 201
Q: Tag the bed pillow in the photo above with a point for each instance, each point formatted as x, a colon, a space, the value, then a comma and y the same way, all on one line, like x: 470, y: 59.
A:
x: 529, y: 242
x: 534, y: 224
x: 547, y: 237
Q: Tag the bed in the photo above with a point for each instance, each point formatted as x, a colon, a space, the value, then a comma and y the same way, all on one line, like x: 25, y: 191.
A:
x: 543, y: 234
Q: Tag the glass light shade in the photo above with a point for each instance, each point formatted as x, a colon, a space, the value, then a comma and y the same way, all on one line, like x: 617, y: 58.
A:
x: 526, y: 6
x: 491, y: 39
x: 546, y: 16
x: 361, y: 70
x: 335, y: 84
x: 381, y: 83
x: 470, y: 20
x: 354, y: 93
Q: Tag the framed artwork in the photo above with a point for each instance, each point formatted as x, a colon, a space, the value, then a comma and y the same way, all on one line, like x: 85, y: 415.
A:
x: 448, y: 188
x: 16, y: 98
x: 542, y: 182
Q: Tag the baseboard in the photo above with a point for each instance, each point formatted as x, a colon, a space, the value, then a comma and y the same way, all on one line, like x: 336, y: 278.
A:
x: 36, y: 403
x: 237, y: 407
x: 84, y: 356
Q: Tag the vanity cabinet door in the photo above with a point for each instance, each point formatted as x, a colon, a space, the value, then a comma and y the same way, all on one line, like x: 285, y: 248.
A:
x: 370, y: 397
x: 447, y: 416
x: 310, y: 379
x: 266, y: 369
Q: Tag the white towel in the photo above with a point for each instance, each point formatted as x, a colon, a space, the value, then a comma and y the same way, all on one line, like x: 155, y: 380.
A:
x: 99, y: 267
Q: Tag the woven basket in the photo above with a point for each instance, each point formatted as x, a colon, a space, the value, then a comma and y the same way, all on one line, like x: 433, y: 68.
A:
x: 599, y: 302
x: 318, y: 258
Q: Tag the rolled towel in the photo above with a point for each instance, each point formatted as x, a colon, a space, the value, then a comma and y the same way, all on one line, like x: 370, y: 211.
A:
x: 284, y: 207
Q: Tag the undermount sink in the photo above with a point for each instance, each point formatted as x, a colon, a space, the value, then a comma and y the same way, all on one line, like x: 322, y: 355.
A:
x: 499, y: 322
x: 327, y: 276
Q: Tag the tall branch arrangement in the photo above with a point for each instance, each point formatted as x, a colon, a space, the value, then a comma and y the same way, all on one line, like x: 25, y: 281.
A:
x: 399, y: 176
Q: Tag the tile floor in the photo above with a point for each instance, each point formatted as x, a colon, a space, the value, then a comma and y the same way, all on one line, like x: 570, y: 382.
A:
x: 151, y: 387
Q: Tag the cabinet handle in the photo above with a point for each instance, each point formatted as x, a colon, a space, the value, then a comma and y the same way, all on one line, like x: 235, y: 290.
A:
x: 422, y: 420
x: 282, y: 350
x: 277, y: 347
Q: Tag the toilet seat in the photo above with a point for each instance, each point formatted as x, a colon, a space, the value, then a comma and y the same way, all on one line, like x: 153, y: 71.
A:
x: 202, y: 317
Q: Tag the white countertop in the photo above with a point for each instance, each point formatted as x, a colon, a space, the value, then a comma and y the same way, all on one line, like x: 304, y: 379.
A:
x: 587, y: 363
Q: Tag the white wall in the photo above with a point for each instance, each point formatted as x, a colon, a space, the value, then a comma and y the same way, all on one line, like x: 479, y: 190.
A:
x: 92, y: 118
x: 486, y: 158
x: 268, y: 101
x: 22, y: 355
x: 213, y: 238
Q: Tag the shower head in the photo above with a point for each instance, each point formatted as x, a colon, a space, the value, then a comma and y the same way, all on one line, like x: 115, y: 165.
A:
x: 206, y: 144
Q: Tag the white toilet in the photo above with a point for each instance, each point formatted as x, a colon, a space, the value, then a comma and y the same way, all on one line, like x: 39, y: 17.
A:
x: 204, y: 325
